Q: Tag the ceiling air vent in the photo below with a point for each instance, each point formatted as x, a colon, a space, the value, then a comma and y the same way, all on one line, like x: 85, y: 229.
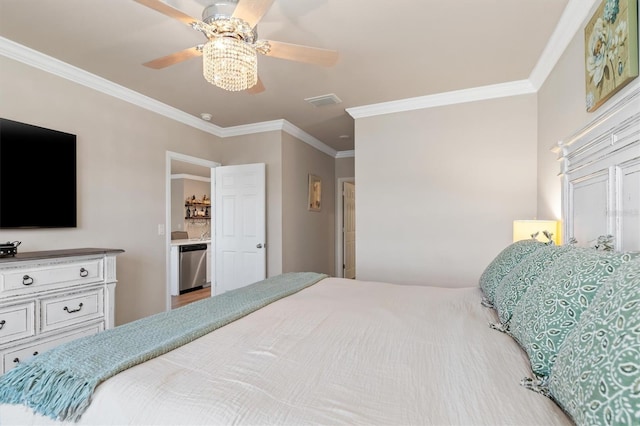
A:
x: 323, y: 100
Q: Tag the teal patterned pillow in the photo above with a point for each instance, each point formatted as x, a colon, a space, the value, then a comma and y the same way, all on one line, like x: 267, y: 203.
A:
x: 552, y: 306
x: 506, y: 260
x: 596, y: 377
x: 515, y: 283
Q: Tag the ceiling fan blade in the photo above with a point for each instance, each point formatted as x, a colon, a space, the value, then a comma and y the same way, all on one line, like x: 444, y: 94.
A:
x: 296, y: 52
x: 165, y: 9
x: 174, y: 58
x: 252, y: 11
x: 256, y: 88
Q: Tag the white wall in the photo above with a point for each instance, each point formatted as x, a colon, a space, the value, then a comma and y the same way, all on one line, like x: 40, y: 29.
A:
x: 438, y: 189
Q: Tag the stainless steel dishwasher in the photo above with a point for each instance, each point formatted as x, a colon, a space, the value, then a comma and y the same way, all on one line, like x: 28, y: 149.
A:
x: 193, y: 267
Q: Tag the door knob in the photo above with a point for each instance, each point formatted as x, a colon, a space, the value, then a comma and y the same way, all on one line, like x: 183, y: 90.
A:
x: 258, y: 245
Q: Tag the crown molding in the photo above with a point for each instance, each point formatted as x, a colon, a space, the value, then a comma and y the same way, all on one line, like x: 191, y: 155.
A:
x: 570, y: 22
x: 31, y: 57
x: 574, y: 15
x: 307, y: 138
x: 248, y: 129
x: 500, y: 90
x: 280, y: 125
x: 346, y: 154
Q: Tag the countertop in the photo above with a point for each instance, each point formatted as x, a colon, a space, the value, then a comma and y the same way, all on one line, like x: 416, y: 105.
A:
x: 51, y: 254
x: 190, y: 241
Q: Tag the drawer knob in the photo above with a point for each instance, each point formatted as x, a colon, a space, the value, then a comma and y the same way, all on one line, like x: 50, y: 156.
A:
x: 83, y: 272
x: 35, y: 353
x: 2, y: 323
x: 27, y: 280
x: 16, y: 360
x: 73, y: 310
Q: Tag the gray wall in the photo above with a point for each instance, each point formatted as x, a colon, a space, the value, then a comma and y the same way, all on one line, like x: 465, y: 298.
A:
x: 431, y: 191
x: 438, y: 189
x: 308, y: 237
x: 345, y: 167
x: 121, y: 179
x: 485, y: 163
x: 121, y: 164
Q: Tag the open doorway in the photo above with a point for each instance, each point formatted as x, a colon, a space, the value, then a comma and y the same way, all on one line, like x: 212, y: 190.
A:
x: 345, y: 228
x: 194, y: 169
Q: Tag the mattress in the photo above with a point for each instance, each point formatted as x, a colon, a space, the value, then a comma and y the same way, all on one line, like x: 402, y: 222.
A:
x: 338, y: 352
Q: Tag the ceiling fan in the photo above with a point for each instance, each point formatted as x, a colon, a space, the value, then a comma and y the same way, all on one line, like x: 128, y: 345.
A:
x: 230, y: 52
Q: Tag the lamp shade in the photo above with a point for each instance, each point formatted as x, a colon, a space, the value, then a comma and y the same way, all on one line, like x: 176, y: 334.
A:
x: 230, y: 63
x: 524, y: 229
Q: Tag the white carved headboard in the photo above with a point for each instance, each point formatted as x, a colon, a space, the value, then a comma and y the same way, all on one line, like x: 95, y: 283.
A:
x: 601, y: 177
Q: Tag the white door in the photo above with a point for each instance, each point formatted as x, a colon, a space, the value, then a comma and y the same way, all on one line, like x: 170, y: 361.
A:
x: 240, y: 253
x: 349, y: 225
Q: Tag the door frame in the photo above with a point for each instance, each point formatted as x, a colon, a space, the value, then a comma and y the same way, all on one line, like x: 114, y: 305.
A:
x: 339, y: 230
x: 169, y: 156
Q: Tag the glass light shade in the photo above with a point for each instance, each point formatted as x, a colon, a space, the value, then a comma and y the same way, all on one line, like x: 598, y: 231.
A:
x: 230, y: 63
x: 523, y: 229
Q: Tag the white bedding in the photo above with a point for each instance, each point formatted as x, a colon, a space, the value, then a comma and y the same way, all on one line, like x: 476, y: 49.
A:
x: 339, y: 352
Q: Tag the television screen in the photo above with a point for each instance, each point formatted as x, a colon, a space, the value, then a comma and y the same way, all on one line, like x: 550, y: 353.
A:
x: 37, y: 177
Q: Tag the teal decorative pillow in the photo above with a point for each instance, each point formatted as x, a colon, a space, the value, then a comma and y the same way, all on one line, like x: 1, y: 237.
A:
x: 506, y: 260
x: 510, y: 290
x: 553, y: 304
x: 596, y: 377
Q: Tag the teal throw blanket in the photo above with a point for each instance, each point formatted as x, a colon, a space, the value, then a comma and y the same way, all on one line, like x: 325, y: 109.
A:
x: 59, y: 383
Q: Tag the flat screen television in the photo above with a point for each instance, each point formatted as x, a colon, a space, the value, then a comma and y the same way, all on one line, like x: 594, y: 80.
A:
x: 37, y: 177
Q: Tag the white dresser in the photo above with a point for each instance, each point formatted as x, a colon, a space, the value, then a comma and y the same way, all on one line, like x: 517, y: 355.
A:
x: 52, y: 297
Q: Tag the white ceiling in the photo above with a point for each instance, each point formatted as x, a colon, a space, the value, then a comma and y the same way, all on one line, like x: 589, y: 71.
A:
x: 389, y: 50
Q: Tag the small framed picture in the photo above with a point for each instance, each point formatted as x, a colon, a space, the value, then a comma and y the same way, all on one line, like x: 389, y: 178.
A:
x: 315, y: 193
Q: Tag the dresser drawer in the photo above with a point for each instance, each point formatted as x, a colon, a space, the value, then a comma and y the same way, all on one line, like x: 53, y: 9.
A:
x: 12, y: 357
x: 70, y: 309
x: 62, y: 275
x: 16, y: 322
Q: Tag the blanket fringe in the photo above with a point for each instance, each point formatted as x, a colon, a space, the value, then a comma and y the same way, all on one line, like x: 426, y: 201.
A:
x: 56, y: 394
x: 60, y: 382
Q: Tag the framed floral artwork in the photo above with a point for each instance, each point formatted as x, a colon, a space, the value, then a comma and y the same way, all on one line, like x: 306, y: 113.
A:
x: 315, y: 193
x: 611, y: 50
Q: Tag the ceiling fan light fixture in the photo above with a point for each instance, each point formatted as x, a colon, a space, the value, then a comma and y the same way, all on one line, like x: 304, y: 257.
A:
x: 230, y: 63
x: 230, y: 53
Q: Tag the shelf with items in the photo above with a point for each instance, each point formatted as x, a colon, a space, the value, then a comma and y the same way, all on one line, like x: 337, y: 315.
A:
x: 197, y: 211
x: 197, y: 208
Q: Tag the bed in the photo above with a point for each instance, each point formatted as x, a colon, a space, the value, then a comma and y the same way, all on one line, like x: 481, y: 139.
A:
x: 340, y: 351
x: 379, y: 353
